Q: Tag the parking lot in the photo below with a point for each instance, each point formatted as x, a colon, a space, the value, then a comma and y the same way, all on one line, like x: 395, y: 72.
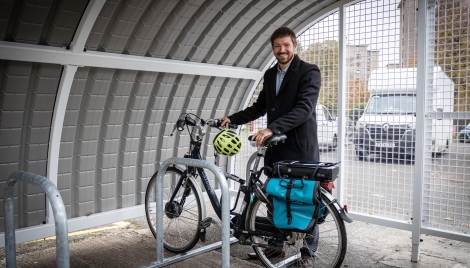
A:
x: 384, y: 187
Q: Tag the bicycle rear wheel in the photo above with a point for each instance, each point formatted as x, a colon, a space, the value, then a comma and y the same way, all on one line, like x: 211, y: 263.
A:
x: 180, y: 219
x: 331, y: 239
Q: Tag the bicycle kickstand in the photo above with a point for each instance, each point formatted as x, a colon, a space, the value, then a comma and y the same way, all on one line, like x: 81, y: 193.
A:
x: 202, y: 227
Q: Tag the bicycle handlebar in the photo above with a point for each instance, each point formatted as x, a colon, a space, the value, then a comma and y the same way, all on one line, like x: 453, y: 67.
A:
x: 272, y: 140
x: 218, y: 123
x: 189, y: 121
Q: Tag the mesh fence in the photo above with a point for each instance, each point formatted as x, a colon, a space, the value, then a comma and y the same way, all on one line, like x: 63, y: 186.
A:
x: 380, y: 109
x: 446, y: 185
x: 381, y: 102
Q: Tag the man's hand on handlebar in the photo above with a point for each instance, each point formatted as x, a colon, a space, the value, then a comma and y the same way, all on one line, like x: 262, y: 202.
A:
x: 225, y: 120
x: 261, y: 135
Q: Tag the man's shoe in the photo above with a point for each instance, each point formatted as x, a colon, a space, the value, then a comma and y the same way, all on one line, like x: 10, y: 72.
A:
x: 268, y: 252
x: 307, y: 263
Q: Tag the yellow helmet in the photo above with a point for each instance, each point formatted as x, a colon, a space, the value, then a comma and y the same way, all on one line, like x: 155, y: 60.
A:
x: 227, y: 143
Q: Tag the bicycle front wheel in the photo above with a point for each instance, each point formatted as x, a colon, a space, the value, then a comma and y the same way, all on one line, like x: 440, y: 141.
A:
x: 327, y: 245
x: 181, y: 217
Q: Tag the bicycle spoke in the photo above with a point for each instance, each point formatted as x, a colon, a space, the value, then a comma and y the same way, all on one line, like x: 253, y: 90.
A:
x: 180, y: 221
x: 331, y: 240
x: 182, y: 218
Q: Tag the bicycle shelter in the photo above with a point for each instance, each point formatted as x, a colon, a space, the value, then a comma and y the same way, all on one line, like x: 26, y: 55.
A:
x: 88, y: 88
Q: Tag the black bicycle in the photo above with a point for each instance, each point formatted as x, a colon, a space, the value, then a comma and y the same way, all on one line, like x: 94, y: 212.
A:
x: 184, y: 225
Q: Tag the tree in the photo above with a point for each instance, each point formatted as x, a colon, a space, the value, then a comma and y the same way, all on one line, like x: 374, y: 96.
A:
x: 325, y: 55
x: 300, y: 48
x: 451, y: 50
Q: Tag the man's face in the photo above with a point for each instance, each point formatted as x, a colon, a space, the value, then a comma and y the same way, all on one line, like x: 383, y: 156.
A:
x: 283, y: 49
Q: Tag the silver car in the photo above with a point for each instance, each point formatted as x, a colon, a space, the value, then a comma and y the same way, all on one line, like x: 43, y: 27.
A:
x: 464, y: 135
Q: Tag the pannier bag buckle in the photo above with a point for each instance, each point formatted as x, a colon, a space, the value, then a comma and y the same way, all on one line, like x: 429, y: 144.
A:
x: 289, y: 187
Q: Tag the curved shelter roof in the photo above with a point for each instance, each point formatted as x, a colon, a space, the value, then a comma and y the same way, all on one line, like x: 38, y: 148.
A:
x: 90, y: 89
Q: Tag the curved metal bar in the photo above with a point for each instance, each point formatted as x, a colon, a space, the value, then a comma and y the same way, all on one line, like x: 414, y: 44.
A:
x: 89, y: 17
x: 225, y: 205
x: 58, y: 208
x: 249, y: 163
x: 251, y: 160
x: 57, y: 126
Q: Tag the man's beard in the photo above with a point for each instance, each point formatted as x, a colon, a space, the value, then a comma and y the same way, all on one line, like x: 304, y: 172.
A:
x: 287, y: 59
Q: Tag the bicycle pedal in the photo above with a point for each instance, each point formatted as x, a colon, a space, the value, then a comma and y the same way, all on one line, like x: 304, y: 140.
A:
x: 202, y: 236
x: 205, y: 223
x: 243, y: 240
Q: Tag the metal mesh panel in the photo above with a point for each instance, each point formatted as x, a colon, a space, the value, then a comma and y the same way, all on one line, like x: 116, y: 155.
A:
x: 382, y: 109
x: 319, y: 45
x: 381, y: 103
x: 246, y: 131
x: 324, y: 53
x: 446, y: 185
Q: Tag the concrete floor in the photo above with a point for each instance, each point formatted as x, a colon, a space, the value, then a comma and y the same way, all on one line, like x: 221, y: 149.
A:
x: 131, y: 244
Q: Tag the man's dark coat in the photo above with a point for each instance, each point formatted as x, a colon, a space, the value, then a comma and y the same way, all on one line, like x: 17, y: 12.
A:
x: 291, y: 112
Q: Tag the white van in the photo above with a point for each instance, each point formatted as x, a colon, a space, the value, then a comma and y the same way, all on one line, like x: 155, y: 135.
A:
x: 387, y: 126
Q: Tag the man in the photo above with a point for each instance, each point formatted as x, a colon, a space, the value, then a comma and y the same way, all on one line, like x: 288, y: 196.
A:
x: 289, y: 97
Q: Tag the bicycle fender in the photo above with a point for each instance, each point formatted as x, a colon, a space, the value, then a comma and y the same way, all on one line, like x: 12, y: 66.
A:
x: 201, y: 194
x: 332, y: 200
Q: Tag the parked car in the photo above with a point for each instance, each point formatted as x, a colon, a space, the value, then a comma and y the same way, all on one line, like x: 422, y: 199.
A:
x: 326, y: 127
x: 464, y: 135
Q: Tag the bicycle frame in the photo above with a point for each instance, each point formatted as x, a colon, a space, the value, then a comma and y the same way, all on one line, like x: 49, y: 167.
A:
x: 195, y: 146
x: 195, y: 154
x: 251, y: 222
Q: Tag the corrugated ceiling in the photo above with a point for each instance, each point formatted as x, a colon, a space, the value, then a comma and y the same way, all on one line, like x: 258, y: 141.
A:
x: 117, y: 121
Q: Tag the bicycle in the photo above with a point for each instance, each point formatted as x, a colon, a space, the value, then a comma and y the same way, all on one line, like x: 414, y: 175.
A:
x: 184, y: 226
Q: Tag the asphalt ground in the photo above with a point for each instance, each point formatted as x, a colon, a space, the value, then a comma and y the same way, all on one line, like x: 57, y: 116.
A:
x: 130, y: 244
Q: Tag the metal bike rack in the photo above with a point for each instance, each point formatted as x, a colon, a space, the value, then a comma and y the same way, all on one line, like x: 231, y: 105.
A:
x: 58, y: 209
x: 226, y: 241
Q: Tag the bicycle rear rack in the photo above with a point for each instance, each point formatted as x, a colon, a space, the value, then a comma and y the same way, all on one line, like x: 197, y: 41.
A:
x: 58, y: 209
x: 226, y: 241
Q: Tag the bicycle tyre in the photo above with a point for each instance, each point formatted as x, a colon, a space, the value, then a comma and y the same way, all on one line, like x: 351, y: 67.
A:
x: 331, y: 248
x: 180, y: 223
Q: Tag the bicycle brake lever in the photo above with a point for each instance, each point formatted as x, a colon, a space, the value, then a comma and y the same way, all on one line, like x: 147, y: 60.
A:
x: 174, y: 128
x: 232, y: 126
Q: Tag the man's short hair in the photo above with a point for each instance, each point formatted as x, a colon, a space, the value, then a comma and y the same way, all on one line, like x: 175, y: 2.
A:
x: 283, y: 32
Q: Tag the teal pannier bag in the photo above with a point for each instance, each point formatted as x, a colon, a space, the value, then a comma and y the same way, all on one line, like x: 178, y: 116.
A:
x: 296, y: 203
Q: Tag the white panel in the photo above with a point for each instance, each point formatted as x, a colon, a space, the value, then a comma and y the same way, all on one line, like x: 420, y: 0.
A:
x: 36, y: 53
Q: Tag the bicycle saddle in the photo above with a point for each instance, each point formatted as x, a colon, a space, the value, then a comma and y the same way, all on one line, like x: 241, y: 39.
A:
x: 273, y: 140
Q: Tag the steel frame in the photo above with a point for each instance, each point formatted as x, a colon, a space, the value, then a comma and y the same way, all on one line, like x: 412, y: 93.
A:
x: 63, y: 56
x: 58, y: 208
